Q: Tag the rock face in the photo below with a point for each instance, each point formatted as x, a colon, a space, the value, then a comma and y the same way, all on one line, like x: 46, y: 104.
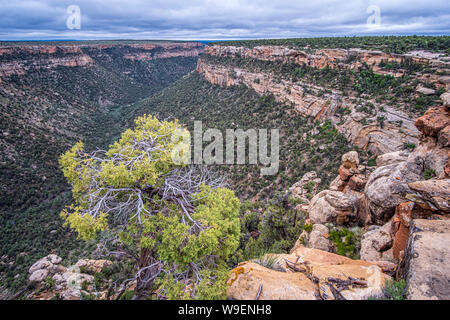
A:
x: 44, y: 268
x: 387, y: 186
x: 328, y: 206
x: 398, y: 129
x: 81, y: 55
x: 391, y: 158
x: 340, y: 204
x: 333, y: 58
x: 431, y: 195
x: 426, y: 260
x: 433, y: 122
x: 291, y: 274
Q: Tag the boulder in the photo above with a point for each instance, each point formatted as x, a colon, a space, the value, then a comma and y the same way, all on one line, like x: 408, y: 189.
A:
x: 445, y: 97
x: 433, y: 155
x: 313, y: 257
x: 376, y: 242
x: 357, y: 182
x: 45, y: 267
x: 68, y: 282
x: 92, y: 265
x: 426, y: 260
x: 434, y: 120
x: 431, y: 195
x: 425, y: 91
x: 345, y: 173
x: 39, y: 275
x: 391, y: 157
x: 327, y: 205
x: 372, y: 275
x: 337, y: 184
x: 318, y: 238
x: 249, y: 278
x: 387, y: 186
x: 350, y: 160
x: 307, y: 274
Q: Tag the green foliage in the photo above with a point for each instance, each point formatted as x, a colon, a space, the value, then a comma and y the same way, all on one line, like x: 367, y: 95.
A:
x: 395, y: 44
x: 429, y: 174
x: 193, y: 97
x: 347, y: 242
x: 44, y: 113
x: 127, y: 295
x: 164, y: 235
x: 49, y: 282
x: 372, y: 162
x: 410, y: 146
x: 395, y: 290
x: 308, y: 227
x: 277, y: 226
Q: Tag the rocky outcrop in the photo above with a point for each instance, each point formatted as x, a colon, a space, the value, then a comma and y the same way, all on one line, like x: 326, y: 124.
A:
x: 426, y: 260
x: 433, y: 195
x: 387, y: 186
x: 333, y: 58
x: 436, y: 123
x: 331, y: 206
x: 318, y: 238
x: 45, y: 267
x: 376, y: 243
x: 361, y: 129
x: 51, y: 278
x: 308, y: 274
x: 341, y: 204
x: 250, y: 281
x: 391, y: 158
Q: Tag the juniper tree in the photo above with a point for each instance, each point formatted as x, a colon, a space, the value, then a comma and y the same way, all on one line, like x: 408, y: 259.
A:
x: 178, y: 223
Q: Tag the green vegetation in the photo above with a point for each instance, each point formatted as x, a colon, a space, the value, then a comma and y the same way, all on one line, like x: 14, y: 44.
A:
x: 429, y: 174
x: 347, y: 242
x: 393, y: 290
x: 271, y: 226
x: 238, y: 107
x: 178, y: 223
x: 388, y: 44
x: 41, y: 115
x: 267, y: 261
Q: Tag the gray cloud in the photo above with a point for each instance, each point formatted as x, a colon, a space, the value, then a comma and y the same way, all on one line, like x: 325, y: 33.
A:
x: 218, y: 19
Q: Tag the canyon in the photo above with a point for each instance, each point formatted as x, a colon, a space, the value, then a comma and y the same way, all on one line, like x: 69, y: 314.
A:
x: 397, y: 128
x: 19, y: 59
x: 363, y: 180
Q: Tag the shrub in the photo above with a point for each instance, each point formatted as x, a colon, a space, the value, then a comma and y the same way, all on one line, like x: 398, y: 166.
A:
x: 178, y: 220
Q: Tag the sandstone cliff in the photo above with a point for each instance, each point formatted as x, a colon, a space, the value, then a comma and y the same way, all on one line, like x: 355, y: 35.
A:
x: 384, y: 128
x: 17, y: 60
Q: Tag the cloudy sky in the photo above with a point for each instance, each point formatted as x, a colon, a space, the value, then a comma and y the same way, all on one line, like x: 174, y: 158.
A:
x: 218, y: 19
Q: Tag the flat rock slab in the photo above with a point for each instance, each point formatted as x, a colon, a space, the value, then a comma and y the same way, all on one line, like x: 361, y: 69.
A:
x: 427, y: 260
